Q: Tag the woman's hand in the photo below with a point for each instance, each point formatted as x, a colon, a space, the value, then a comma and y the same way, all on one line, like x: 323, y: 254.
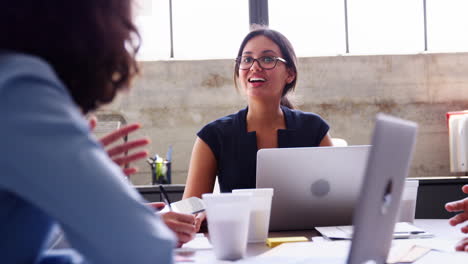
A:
x: 199, y: 218
x: 183, y: 225
x: 118, y: 152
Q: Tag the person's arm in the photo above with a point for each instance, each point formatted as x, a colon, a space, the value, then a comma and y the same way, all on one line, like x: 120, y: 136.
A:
x: 202, y: 170
x: 183, y: 225
x: 326, y: 141
x: 60, y: 169
x: 201, y: 175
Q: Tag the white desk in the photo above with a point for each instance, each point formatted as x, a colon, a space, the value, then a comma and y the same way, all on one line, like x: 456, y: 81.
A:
x: 447, y: 235
x: 440, y: 228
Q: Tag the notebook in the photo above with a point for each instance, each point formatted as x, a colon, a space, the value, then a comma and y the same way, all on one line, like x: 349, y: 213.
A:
x: 323, y: 183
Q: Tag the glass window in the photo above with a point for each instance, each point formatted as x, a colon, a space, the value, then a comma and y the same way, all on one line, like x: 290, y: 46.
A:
x: 314, y: 27
x: 447, y: 24
x: 152, y: 21
x: 385, y: 26
x: 208, y: 29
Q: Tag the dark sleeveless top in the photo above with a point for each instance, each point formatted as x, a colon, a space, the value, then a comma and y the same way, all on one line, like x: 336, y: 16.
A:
x: 235, y: 149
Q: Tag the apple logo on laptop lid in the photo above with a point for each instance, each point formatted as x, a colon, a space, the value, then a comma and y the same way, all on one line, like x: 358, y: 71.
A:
x: 320, y: 188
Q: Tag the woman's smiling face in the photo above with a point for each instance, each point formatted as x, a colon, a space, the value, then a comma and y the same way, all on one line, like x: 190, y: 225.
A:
x: 260, y: 83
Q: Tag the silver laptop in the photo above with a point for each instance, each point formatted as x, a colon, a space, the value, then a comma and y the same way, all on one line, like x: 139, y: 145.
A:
x: 321, y: 183
x: 374, y: 219
x: 389, y: 161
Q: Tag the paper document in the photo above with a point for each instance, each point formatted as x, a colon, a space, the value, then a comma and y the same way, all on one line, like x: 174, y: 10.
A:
x: 437, y: 257
x: 331, y: 253
x: 199, y: 242
x: 406, y: 253
x: 402, y: 230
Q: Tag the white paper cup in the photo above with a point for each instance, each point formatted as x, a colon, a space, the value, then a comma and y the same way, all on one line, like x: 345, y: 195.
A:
x: 407, y: 210
x: 228, y: 222
x: 259, y: 214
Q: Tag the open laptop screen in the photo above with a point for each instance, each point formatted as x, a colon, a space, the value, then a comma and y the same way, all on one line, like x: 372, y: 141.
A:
x: 389, y: 161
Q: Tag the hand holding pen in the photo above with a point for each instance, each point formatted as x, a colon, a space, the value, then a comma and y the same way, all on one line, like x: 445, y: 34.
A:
x: 165, y: 197
x: 183, y: 225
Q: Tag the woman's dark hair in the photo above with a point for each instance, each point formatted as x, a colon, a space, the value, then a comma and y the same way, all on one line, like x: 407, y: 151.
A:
x: 91, y: 44
x: 286, y: 50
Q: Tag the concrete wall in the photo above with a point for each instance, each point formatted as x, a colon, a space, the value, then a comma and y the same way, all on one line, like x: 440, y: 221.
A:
x: 174, y: 99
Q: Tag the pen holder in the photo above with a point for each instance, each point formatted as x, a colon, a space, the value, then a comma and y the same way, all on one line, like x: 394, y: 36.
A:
x: 160, y: 171
x: 160, y: 168
x: 168, y: 171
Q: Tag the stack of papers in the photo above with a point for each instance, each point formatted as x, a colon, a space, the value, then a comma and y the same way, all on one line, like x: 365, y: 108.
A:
x: 402, y: 230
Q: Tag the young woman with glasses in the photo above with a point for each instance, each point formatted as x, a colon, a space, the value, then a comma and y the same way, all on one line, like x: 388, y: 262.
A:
x: 266, y: 71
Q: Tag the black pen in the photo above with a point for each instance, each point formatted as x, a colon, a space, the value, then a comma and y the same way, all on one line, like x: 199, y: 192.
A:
x: 165, y: 197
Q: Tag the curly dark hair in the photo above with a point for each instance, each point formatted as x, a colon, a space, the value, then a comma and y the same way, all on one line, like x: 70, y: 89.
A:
x: 91, y: 44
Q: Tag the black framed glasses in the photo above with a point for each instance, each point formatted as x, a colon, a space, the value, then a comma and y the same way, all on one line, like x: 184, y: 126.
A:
x: 265, y: 62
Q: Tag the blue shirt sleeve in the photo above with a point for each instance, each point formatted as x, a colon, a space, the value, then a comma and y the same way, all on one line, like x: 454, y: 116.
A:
x: 51, y: 161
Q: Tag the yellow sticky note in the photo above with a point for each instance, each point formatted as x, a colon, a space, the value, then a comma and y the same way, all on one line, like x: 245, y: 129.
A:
x: 275, y: 241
